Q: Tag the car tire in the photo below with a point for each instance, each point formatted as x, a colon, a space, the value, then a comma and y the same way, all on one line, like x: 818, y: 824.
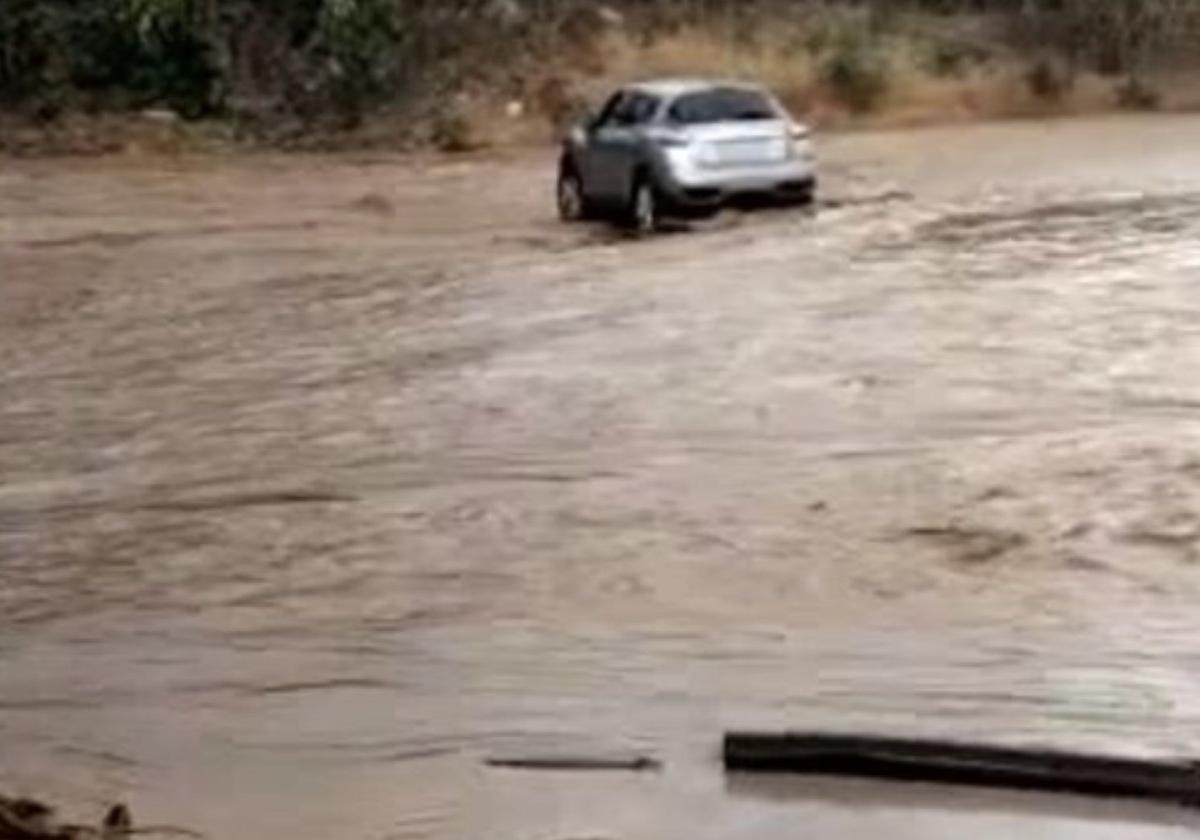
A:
x: 806, y: 197
x: 644, y: 213
x: 573, y: 205
x: 701, y: 214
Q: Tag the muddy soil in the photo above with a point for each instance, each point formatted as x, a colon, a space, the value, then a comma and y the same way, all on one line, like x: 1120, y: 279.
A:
x: 325, y: 480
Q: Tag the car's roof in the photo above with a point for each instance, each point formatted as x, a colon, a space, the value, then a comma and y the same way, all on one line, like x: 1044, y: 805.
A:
x: 672, y: 88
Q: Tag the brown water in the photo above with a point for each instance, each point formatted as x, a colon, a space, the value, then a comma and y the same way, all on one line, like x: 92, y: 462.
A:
x: 323, y: 479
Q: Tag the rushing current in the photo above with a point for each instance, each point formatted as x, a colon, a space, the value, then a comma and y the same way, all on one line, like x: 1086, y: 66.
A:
x: 323, y: 480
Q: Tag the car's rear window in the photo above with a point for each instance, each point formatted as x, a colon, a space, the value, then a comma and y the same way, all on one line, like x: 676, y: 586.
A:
x: 721, y: 105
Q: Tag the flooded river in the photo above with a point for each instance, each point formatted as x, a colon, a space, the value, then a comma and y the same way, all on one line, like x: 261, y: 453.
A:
x: 323, y: 480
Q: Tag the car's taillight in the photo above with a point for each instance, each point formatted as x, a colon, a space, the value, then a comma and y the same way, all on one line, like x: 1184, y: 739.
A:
x: 799, y: 145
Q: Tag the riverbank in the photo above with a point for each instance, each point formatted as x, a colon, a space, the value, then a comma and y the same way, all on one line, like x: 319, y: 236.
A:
x: 508, y: 77
x: 999, y: 98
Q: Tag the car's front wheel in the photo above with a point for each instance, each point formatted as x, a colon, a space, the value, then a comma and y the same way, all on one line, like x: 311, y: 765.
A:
x: 572, y: 203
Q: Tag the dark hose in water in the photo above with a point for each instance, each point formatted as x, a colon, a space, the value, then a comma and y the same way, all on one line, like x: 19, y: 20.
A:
x: 962, y: 764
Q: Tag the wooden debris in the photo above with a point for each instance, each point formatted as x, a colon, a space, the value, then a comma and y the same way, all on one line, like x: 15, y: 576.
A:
x: 963, y: 764
x: 635, y: 763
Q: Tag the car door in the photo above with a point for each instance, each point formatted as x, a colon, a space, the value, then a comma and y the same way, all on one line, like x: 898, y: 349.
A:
x: 593, y: 164
x: 585, y: 150
x: 615, y: 145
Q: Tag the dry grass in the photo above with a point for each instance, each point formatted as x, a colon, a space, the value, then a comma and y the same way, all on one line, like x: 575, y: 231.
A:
x: 996, y: 91
x: 774, y: 58
x: 834, y: 72
x: 79, y: 134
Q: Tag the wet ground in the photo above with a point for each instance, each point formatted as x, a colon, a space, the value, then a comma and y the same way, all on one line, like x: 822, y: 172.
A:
x: 322, y: 480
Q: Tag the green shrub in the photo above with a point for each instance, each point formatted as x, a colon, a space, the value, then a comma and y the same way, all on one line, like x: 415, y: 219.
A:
x: 129, y: 53
x: 853, y: 60
x: 1111, y: 36
x: 1134, y: 93
x: 361, y: 41
x: 1049, y: 79
x: 944, y: 57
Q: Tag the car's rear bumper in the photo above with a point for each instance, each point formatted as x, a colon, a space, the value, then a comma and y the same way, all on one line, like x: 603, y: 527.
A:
x: 707, y: 198
x: 694, y: 187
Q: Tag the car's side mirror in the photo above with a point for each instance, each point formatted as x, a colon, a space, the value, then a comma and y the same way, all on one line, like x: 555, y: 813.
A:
x: 582, y: 130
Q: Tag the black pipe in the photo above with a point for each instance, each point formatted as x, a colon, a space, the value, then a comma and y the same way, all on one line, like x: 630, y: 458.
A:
x: 962, y: 764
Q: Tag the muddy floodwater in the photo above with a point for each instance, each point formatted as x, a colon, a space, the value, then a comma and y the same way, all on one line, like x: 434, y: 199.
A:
x: 325, y: 480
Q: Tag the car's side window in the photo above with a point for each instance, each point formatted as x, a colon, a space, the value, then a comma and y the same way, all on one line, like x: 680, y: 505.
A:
x: 628, y: 109
x: 608, y: 113
x: 625, y: 114
x: 644, y: 108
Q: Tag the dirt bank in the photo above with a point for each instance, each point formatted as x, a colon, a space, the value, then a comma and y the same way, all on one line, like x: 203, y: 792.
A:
x: 505, y: 73
x: 325, y: 479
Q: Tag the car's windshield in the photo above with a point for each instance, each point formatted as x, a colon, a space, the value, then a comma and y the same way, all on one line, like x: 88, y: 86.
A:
x: 721, y: 105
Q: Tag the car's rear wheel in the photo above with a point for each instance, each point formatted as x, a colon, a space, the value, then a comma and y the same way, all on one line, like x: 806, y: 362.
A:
x: 572, y: 203
x: 704, y: 212
x: 645, y: 209
x: 800, y: 195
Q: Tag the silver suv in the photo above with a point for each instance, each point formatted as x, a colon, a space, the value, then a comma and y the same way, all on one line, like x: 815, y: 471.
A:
x: 683, y: 148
